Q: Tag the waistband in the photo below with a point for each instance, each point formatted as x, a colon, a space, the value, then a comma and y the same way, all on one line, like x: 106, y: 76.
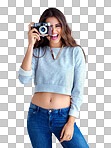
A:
x: 35, y: 107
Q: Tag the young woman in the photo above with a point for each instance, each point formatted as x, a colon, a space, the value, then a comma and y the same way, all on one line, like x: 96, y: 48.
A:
x: 58, y: 65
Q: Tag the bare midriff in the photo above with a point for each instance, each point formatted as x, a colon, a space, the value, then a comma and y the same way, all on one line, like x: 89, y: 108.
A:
x: 49, y: 100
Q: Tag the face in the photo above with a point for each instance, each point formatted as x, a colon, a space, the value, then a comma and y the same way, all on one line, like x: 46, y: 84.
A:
x: 54, y: 41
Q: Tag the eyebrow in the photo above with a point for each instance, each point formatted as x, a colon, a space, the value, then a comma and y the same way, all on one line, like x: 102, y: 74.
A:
x: 56, y: 24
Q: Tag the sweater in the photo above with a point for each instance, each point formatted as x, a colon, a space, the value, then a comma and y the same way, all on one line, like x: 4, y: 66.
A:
x: 66, y: 75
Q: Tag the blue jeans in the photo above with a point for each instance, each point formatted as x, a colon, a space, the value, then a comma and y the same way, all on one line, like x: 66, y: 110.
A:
x: 41, y: 123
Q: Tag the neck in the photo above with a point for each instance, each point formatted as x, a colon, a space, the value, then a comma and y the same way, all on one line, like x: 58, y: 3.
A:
x: 55, y: 45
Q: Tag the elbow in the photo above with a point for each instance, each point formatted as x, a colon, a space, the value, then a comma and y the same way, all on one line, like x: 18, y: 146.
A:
x: 77, y: 100
x: 24, y: 79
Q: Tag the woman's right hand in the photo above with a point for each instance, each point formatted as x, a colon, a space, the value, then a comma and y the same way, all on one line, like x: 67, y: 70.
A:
x: 32, y: 37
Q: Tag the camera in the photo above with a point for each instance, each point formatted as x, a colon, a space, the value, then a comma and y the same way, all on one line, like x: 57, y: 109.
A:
x: 43, y: 28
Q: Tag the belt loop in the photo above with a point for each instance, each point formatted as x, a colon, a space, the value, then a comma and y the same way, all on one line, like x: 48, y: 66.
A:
x: 37, y: 108
x: 59, y: 110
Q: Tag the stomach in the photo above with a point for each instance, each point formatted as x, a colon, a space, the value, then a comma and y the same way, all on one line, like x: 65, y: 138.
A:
x: 49, y: 100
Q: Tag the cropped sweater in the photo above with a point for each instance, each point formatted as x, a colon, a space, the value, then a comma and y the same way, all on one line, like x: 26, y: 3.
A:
x: 66, y: 75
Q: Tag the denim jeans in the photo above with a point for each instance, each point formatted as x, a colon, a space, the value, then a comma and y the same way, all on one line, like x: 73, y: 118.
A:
x: 41, y: 123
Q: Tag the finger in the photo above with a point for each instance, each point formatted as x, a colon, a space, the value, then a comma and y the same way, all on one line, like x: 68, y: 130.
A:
x: 68, y: 138
x: 30, y: 25
x: 34, y: 29
x: 62, y: 133
x: 37, y: 37
x: 64, y: 138
x: 44, y: 35
x: 61, y: 140
x: 35, y: 34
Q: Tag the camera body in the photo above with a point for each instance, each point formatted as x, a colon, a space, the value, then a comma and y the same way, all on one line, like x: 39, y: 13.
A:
x: 43, y: 28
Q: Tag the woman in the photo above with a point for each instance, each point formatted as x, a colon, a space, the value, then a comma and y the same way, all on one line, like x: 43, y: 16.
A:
x: 58, y: 67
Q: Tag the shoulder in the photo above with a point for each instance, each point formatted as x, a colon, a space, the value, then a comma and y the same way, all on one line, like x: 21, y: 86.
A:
x: 75, y: 49
x: 78, y: 52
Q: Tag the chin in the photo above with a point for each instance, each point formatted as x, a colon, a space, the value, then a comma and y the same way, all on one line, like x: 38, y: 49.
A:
x: 54, y: 41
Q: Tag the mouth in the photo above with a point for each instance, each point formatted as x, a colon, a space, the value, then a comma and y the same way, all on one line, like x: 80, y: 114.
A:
x: 54, y: 36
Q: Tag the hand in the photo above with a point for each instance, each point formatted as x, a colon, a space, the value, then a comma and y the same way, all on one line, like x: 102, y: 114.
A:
x: 68, y: 131
x: 32, y: 37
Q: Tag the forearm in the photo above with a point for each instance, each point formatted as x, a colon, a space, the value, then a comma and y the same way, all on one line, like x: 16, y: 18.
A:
x: 71, y: 119
x: 26, y: 64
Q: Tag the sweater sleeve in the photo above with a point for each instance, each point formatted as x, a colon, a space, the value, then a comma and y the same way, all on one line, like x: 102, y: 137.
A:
x: 78, y: 82
x: 26, y: 76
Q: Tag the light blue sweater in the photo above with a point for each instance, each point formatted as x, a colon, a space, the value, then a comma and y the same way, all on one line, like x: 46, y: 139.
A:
x: 66, y: 75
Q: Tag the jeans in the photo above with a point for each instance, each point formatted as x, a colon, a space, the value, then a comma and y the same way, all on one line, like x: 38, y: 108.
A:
x: 41, y: 123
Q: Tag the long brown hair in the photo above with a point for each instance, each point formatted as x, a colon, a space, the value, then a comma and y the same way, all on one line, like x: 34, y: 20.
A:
x: 66, y: 36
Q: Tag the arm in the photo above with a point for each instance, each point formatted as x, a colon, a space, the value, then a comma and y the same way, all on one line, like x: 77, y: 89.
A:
x: 26, y: 64
x: 27, y: 69
x: 78, y: 83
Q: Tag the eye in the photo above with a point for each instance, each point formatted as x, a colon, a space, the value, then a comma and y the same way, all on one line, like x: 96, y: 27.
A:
x: 58, y: 26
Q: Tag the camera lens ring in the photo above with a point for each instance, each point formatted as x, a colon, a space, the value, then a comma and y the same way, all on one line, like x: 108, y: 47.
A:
x: 40, y: 28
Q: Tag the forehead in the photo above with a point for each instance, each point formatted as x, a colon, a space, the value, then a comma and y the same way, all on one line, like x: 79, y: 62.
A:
x: 52, y: 20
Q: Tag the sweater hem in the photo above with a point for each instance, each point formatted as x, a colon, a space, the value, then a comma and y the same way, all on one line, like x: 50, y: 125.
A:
x: 52, y: 88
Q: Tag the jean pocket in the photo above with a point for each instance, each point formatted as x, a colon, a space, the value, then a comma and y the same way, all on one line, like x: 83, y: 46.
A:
x: 64, y: 114
x: 31, y: 111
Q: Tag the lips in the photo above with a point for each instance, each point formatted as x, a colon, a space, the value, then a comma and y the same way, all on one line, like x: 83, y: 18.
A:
x: 54, y: 37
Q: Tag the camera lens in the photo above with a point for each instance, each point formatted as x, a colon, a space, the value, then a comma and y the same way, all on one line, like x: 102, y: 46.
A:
x: 43, y: 30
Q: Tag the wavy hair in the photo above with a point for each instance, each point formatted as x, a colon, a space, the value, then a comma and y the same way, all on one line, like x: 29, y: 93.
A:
x: 66, y: 36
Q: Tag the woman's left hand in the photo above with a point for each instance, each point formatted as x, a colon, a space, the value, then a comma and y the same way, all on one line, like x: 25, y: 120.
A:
x: 67, y: 132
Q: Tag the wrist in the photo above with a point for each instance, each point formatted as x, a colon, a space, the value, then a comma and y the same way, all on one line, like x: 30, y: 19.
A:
x: 30, y: 46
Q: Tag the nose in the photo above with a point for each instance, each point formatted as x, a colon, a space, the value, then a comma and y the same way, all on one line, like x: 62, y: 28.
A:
x: 53, y: 29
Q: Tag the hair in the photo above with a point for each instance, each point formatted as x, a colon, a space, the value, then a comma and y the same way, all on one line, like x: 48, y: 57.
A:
x: 66, y: 36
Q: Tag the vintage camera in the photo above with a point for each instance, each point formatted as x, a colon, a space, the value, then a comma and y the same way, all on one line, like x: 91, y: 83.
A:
x: 43, y: 28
